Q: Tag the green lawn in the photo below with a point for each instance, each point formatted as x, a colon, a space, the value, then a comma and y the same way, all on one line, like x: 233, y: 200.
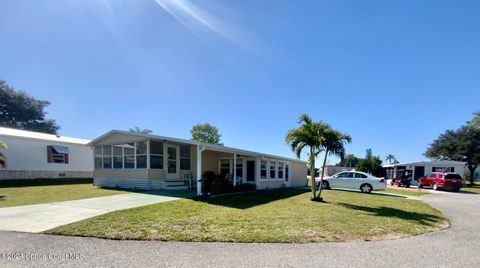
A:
x: 475, y: 189
x: 27, y: 193
x: 275, y: 216
x: 412, y: 191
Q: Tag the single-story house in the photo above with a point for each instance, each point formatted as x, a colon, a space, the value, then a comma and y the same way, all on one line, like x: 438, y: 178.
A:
x: 33, y: 155
x: 423, y: 168
x: 142, y: 161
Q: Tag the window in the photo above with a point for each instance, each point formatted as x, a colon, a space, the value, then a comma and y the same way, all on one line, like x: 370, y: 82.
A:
x: 98, y: 157
x: 107, y: 156
x: 273, y: 167
x: 118, y: 156
x: 342, y: 175
x: 286, y: 172
x: 184, y: 157
x: 141, y: 154
x: 443, y: 169
x: 129, y: 155
x: 239, y: 169
x: 57, y: 154
x: 359, y: 176
x: 280, y: 170
x: 224, y: 167
x: 156, y: 155
x: 263, y: 170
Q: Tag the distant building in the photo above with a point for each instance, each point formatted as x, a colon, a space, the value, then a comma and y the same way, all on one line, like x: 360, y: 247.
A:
x: 32, y: 155
x: 423, y: 168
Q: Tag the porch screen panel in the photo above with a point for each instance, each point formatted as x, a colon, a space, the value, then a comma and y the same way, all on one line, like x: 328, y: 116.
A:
x: 98, y: 157
x: 117, y: 156
x: 129, y: 155
x: 239, y: 168
x: 141, y: 154
x: 185, y: 157
x: 224, y: 167
x: 107, y: 156
x: 156, y: 155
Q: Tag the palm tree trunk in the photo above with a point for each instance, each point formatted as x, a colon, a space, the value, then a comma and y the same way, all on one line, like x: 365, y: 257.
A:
x: 321, y: 175
x: 312, y: 172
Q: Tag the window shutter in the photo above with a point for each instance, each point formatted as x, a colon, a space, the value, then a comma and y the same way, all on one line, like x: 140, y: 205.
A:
x: 66, y: 158
x: 49, y: 154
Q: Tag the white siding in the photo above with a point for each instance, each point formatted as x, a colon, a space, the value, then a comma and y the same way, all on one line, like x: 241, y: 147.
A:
x: 31, y: 154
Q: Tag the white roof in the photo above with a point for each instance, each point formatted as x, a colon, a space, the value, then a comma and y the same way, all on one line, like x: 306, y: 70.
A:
x: 4, y: 131
x: 430, y: 163
x: 208, y: 146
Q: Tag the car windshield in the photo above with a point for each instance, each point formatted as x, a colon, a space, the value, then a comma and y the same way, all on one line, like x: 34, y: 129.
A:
x: 453, y: 177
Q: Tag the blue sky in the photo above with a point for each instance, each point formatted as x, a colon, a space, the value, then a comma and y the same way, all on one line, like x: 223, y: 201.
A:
x: 392, y: 74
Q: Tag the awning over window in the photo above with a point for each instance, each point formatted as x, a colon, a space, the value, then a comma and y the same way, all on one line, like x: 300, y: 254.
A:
x: 57, y: 149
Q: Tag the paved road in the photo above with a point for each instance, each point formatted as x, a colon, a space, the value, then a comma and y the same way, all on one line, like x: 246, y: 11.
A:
x: 42, y: 217
x: 455, y: 247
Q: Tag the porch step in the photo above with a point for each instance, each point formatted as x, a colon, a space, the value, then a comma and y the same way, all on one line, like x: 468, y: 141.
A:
x: 179, y: 187
x: 174, y: 185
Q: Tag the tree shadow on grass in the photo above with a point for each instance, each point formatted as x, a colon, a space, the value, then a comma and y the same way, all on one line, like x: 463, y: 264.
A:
x: 249, y: 200
x: 421, y: 218
x: 372, y: 193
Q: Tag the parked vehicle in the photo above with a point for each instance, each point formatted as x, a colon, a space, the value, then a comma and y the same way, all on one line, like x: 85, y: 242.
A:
x: 402, y: 180
x: 440, y: 180
x: 353, y: 180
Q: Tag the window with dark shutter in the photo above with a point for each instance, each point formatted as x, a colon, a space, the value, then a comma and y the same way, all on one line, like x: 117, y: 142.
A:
x: 57, y: 154
x: 49, y: 154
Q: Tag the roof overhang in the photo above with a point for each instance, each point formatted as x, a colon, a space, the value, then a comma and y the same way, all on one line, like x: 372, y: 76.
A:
x: 207, y: 146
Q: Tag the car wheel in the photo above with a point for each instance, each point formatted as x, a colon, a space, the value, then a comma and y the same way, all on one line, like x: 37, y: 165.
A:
x: 456, y: 189
x: 435, y: 186
x: 366, y: 188
x: 325, y: 185
x: 420, y: 185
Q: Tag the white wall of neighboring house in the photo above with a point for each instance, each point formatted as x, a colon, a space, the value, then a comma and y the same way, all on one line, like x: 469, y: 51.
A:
x: 27, y: 156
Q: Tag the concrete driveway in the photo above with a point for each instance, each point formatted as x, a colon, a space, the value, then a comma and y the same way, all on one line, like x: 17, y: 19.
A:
x: 454, y: 247
x: 38, y: 218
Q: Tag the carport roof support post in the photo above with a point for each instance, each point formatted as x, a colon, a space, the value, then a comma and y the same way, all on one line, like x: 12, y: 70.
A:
x: 200, y: 149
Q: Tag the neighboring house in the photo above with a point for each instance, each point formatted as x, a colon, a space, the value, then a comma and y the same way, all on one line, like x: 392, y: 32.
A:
x: 142, y: 161
x: 332, y: 170
x: 476, y: 173
x: 32, y: 155
x: 423, y: 168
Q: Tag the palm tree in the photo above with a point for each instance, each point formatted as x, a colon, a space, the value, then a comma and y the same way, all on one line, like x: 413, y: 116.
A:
x: 139, y: 130
x: 3, y: 158
x: 333, y: 144
x: 391, y: 159
x: 308, y: 135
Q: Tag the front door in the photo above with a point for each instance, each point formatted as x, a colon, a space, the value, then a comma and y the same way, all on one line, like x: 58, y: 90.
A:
x: 172, y: 161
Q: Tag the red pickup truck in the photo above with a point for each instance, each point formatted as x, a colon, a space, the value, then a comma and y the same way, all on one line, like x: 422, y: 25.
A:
x: 440, y: 180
